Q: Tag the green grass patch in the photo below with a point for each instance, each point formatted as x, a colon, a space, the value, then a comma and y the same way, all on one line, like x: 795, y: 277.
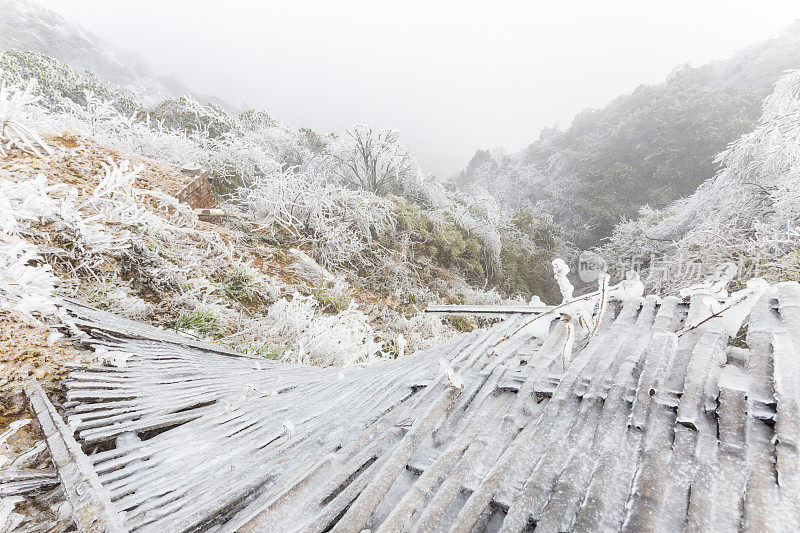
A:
x: 332, y: 302
x: 242, y: 283
x: 204, y: 322
x: 267, y: 351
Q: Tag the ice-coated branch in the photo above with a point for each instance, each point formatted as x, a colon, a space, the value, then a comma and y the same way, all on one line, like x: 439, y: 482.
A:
x: 13, y: 133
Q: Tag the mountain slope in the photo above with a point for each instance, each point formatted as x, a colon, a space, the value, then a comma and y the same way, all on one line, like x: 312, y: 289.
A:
x: 747, y: 215
x: 650, y: 147
x: 27, y: 26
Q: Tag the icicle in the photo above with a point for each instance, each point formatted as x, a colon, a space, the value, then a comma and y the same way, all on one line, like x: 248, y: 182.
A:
x: 569, y: 342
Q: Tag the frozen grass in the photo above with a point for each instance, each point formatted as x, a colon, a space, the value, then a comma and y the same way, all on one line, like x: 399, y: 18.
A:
x: 201, y: 322
x: 263, y: 349
x: 242, y: 282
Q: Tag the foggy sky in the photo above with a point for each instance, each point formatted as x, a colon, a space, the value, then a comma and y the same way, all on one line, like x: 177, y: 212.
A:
x: 452, y: 76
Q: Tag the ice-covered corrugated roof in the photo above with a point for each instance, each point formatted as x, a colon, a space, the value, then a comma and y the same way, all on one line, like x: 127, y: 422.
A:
x: 657, y: 420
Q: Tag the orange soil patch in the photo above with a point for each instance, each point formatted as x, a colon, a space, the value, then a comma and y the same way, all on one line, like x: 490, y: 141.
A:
x: 25, y: 353
x: 78, y: 162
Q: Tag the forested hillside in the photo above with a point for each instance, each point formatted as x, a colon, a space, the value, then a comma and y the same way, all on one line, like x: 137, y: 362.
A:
x: 745, y: 220
x: 648, y: 148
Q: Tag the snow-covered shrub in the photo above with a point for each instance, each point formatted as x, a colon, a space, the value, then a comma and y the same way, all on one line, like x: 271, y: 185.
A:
x: 479, y: 213
x: 245, y: 283
x: 59, y: 83
x: 334, y: 295
x: 185, y: 113
x: 467, y: 295
x: 419, y: 331
x: 119, y: 299
x: 337, y: 224
x: 263, y: 146
x: 151, y: 270
x: 26, y: 285
x: 117, y: 200
x: 33, y: 202
x: 346, y: 338
x: 145, y: 234
x: 13, y: 132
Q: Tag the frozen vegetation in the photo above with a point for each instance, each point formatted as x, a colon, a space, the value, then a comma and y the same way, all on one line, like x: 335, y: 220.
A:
x: 650, y: 147
x: 293, y: 381
x: 746, y: 216
x: 331, y: 245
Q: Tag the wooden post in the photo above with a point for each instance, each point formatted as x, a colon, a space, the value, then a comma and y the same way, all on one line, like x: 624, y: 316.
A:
x: 92, y: 509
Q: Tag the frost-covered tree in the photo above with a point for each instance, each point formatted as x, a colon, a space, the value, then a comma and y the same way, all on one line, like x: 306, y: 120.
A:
x: 187, y: 114
x: 749, y: 210
x: 58, y: 83
x: 373, y: 160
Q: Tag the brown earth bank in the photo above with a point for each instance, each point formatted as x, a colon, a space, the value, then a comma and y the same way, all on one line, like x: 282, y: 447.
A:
x: 31, y: 351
